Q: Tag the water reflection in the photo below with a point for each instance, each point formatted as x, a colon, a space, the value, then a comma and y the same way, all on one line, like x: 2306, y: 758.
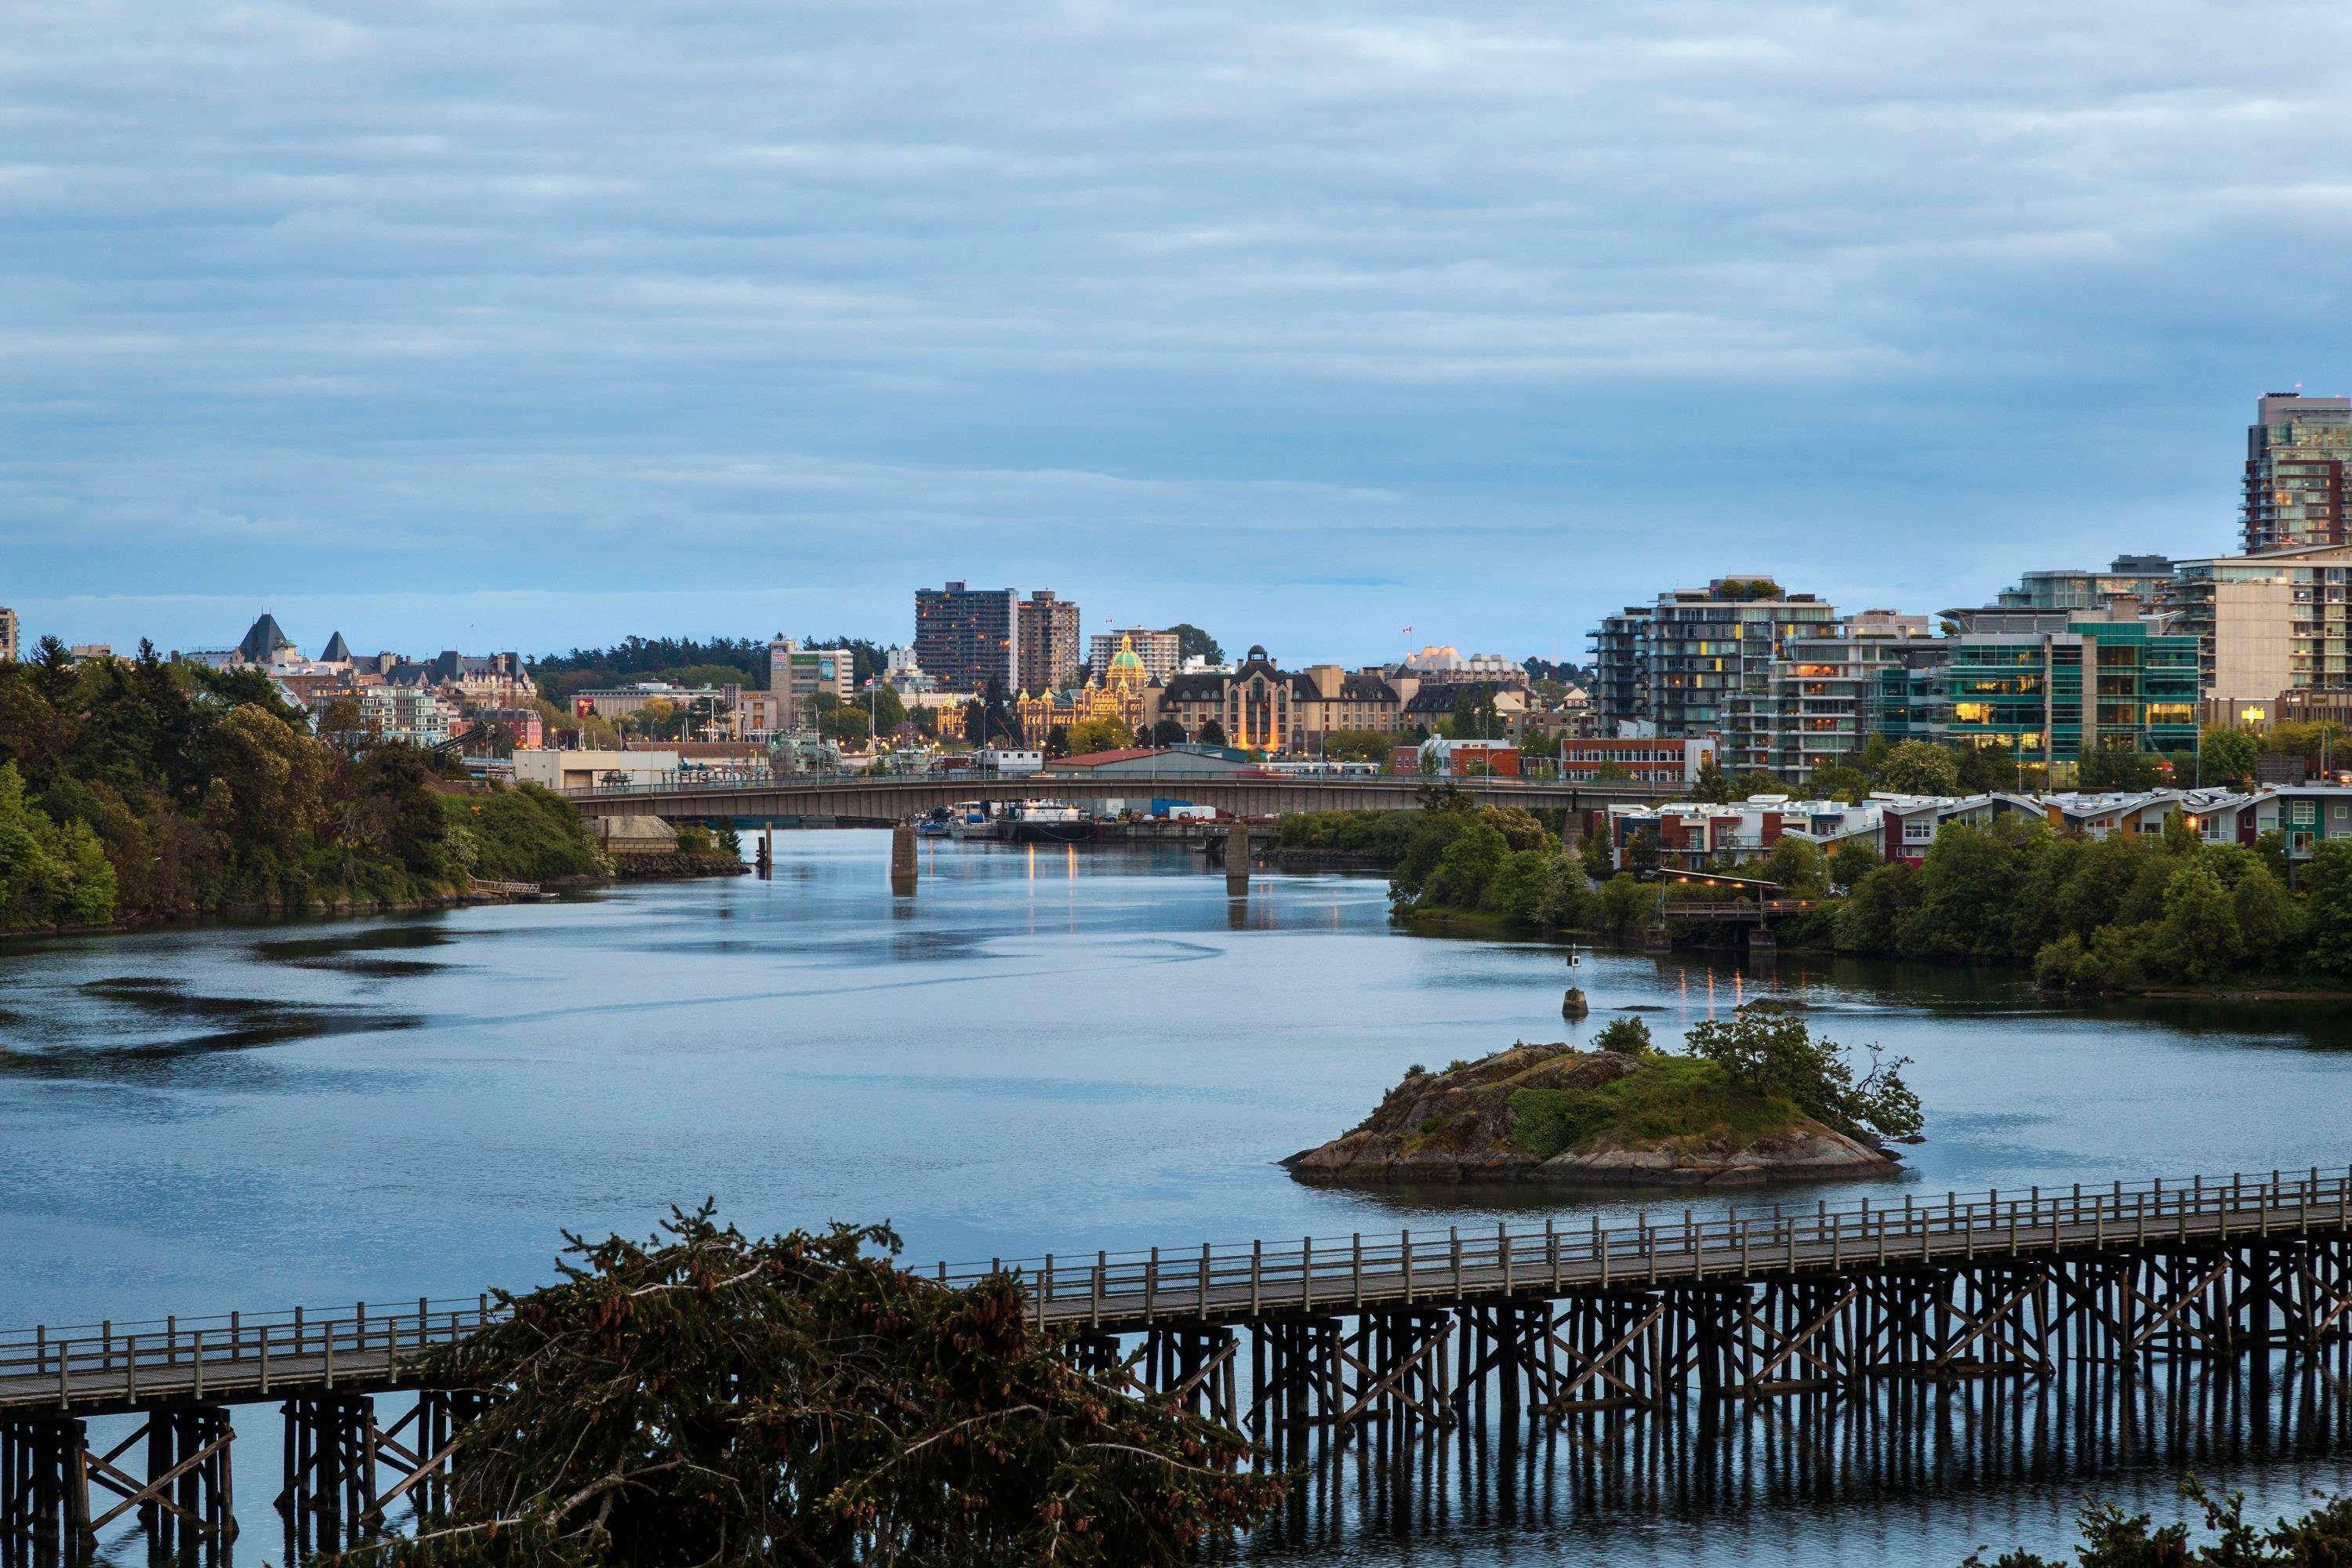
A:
x: 1931, y: 1470
x: 1110, y: 1056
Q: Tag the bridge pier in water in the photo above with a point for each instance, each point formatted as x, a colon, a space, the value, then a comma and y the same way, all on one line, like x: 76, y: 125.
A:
x: 1237, y: 858
x: 903, y: 864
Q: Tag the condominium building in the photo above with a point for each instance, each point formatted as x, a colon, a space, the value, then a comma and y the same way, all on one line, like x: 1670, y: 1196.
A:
x: 409, y: 713
x: 2142, y: 578
x: 2268, y: 623
x: 1048, y: 641
x: 966, y: 638
x: 2298, y: 479
x: 1621, y: 682
x: 9, y: 636
x: 1823, y: 695
x: 1157, y: 649
x: 1679, y: 664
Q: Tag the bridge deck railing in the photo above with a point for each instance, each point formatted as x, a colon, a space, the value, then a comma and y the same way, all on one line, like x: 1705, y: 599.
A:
x: 114, y: 1361
x: 1336, y: 1273
x: 718, y: 780
x: 111, y: 1360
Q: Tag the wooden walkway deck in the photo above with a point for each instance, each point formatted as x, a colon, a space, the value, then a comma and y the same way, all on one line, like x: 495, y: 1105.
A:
x: 118, y: 1367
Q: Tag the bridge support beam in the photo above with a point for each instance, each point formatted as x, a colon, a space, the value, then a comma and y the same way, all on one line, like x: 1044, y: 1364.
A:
x: 44, y: 1490
x: 330, y: 1468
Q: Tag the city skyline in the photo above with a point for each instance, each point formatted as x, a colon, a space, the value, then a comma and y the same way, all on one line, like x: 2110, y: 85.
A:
x: 1247, y: 321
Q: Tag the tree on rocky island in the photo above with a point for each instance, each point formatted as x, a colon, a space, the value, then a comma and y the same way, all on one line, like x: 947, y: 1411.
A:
x: 706, y: 1398
x: 1768, y: 1052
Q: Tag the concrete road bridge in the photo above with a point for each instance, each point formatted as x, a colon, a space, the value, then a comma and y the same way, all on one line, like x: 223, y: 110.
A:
x: 764, y: 797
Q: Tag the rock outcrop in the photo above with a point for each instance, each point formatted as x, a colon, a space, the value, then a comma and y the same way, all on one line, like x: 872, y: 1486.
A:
x: 1458, y: 1125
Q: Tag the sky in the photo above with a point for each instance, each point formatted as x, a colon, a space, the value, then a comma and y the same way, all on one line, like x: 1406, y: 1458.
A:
x: 510, y: 324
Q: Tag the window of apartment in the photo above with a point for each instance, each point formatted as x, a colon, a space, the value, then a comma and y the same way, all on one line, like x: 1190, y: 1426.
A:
x: 2305, y: 813
x: 1918, y: 832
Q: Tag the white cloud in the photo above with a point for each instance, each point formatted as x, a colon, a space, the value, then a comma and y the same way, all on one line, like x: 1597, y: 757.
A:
x: 862, y: 292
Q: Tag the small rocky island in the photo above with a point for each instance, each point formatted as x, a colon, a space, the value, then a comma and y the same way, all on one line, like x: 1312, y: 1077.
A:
x: 1630, y: 1115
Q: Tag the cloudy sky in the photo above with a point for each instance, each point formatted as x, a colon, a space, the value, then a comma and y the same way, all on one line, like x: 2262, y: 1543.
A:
x: 517, y: 325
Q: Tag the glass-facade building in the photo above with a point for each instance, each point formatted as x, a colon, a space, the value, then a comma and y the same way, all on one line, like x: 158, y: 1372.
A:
x: 2298, y: 458
x: 2144, y: 578
x: 2046, y: 697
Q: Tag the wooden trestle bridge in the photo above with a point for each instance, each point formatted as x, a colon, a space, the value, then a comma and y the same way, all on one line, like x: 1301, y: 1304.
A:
x: 1381, y: 1335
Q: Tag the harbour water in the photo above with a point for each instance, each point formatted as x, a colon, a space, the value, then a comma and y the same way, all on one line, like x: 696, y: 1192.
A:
x: 1046, y: 1048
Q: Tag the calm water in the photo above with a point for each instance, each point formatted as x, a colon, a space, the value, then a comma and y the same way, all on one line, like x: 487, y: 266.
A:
x: 1050, y: 1049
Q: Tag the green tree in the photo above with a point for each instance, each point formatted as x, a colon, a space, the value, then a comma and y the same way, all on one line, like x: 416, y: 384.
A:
x: 887, y: 710
x: 704, y: 1398
x: 1713, y: 785
x: 1212, y: 733
x: 1593, y: 850
x: 1058, y: 743
x: 1612, y: 771
x: 1983, y: 768
x: 1972, y: 886
x: 1916, y: 767
x: 1770, y: 1053
x: 2117, y: 765
x: 1192, y: 642
x: 1569, y: 902
x: 1852, y: 860
x: 1104, y: 735
x: 1520, y: 889
x: 2226, y: 755
x: 1798, y: 865
x: 1359, y: 746
x: 49, y: 875
x: 1167, y: 732
x: 2269, y: 919
x: 1628, y: 906
x: 2198, y: 938
x: 1475, y: 716
x: 1643, y: 855
x: 2112, y: 1539
x: 847, y: 724
x: 1840, y: 781
x: 1626, y: 1037
x: 2327, y: 877
x: 1876, y: 914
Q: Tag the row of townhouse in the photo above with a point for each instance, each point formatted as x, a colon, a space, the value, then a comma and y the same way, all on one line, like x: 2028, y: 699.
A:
x: 1692, y: 834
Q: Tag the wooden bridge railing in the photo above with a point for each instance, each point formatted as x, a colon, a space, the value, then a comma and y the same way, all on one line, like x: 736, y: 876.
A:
x: 247, y: 1355
x: 1118, y: 1290
x: 225, y: 1357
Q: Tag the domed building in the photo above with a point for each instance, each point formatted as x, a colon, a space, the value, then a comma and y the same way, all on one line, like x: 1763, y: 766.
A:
x: 1124, y: 693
